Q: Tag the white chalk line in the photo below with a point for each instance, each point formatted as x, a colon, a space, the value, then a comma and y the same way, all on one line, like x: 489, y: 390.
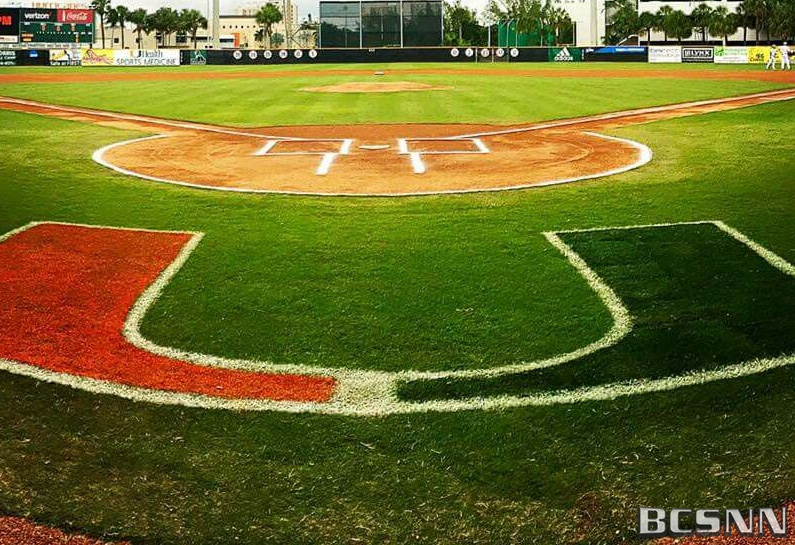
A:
x: 141, y: 119
x: 373, y: 393
x: 788, y: 94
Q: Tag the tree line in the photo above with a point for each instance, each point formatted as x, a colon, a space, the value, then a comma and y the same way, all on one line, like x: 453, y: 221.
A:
x: 547, y: 21
x: 168, y: 22
x: 770, y: 18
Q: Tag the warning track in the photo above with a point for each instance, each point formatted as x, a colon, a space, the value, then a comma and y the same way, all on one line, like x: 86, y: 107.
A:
x: 380, y: 160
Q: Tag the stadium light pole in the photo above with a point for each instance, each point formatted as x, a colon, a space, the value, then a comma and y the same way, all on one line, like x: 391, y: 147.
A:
x: 216, y: 24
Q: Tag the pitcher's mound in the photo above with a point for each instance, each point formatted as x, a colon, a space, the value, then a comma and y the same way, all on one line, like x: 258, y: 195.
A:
x: 376, y: 87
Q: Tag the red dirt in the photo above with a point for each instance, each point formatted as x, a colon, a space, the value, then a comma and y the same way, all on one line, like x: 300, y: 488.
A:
x: 66, y: 293
x: 111, y: 75
x: 19, y: 531
x: 519, y: 156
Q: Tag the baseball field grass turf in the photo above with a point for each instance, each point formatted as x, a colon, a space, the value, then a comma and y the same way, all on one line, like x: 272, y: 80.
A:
x: 430, y: 283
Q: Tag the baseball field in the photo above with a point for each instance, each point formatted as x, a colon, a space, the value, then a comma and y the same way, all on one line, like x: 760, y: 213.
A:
x: 481, y: 304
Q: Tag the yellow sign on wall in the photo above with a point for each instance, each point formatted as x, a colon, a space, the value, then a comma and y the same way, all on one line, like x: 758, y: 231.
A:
x: 759, y: 54
x: 98, y: 57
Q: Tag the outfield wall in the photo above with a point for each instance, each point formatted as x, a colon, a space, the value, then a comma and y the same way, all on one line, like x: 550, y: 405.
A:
x: 174, y: 57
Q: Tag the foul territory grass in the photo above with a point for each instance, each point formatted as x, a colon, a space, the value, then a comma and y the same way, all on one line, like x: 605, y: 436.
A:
x: 428, y: 283
x: 498, y: 98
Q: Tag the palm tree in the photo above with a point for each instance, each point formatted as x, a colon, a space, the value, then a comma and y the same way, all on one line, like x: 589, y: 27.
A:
x: 101, y: 8
x: 140, y: 19
x: 702, y: 17
x: 267, y: 16
x: 165, y: 21
x: 679, y: 25
x: 558, y: 18
x: 525, y: 14
x: 191, y: 21
x: 746, y: 20
x: 122, y: 18
x: 723, y: 23
x: 648, y: 22
x: 661, y: 19
x: 113, y: 22
x: 623, y: 20
x: 760, y: 10
x: 782, y: 20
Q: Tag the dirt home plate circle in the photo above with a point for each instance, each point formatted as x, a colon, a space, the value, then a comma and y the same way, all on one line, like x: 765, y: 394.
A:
x: 376, y: 159
x: 380, y: 159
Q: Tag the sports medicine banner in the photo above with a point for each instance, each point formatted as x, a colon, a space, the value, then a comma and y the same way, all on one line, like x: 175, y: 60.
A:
x: 146, y: 57
x: 131, y: 57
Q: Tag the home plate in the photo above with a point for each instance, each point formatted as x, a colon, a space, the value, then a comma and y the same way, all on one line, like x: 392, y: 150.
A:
x: 375, y: 147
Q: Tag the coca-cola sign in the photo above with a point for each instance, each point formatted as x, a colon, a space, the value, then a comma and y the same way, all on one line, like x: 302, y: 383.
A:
x: 76, y: 16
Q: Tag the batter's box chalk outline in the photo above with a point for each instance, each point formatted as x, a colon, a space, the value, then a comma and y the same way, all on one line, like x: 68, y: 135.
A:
x: 325, y: 162
x: 418, y: 165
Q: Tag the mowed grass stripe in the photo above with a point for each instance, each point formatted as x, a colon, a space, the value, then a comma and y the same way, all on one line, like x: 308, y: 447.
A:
x: 498, y: 99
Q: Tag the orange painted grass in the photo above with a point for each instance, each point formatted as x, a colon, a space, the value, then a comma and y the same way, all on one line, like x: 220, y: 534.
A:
x: 65, y: 292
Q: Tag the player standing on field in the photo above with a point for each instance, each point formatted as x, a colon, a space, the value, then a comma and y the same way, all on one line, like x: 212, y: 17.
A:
x: 785, y: 52
x: 771, y: 63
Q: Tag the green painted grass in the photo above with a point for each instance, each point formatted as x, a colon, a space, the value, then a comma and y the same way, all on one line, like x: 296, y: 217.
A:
x: 700, y: 300
x: 428, y: 283
x: 473, y: 98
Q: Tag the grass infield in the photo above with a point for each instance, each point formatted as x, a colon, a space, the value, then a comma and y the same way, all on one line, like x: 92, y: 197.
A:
x: 431, y: 283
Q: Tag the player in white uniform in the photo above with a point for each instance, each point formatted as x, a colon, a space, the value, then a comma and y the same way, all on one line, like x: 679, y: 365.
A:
x: 785, y: 53
x: 771, y: 63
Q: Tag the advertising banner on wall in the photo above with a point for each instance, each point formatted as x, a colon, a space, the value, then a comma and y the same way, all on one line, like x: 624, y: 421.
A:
x: 76, y: 16
x: 9, y: 25
x: 616, y: 53
x: 98, y: 57
x: 698, y: 54
x: 146, y: 57
x: 66, y: 57
x: 665, y: 54
x: 731, y: 55
x: 197, y: 58
x: 565, y: 54
x: 8, y: 57
x: 36, y: 15
x: 131, y: 57
x: 758, y: 54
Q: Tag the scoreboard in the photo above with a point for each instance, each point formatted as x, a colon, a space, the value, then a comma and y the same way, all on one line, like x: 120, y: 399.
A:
x: 52, y: 26
x: 9, y: 25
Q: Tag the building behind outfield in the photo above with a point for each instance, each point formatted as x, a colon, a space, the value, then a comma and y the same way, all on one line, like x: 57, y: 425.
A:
x: 391, y: 23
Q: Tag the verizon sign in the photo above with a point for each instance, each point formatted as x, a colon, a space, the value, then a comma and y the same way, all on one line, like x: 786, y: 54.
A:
x: 38, y: 15
x: 76, y: 16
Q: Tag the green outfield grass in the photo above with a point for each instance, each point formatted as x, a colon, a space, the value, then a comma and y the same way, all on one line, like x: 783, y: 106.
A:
x: 499, y: 98
x: 447, y: 282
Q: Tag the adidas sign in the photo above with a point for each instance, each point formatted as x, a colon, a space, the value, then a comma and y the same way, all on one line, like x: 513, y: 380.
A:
x: 564, y: 56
